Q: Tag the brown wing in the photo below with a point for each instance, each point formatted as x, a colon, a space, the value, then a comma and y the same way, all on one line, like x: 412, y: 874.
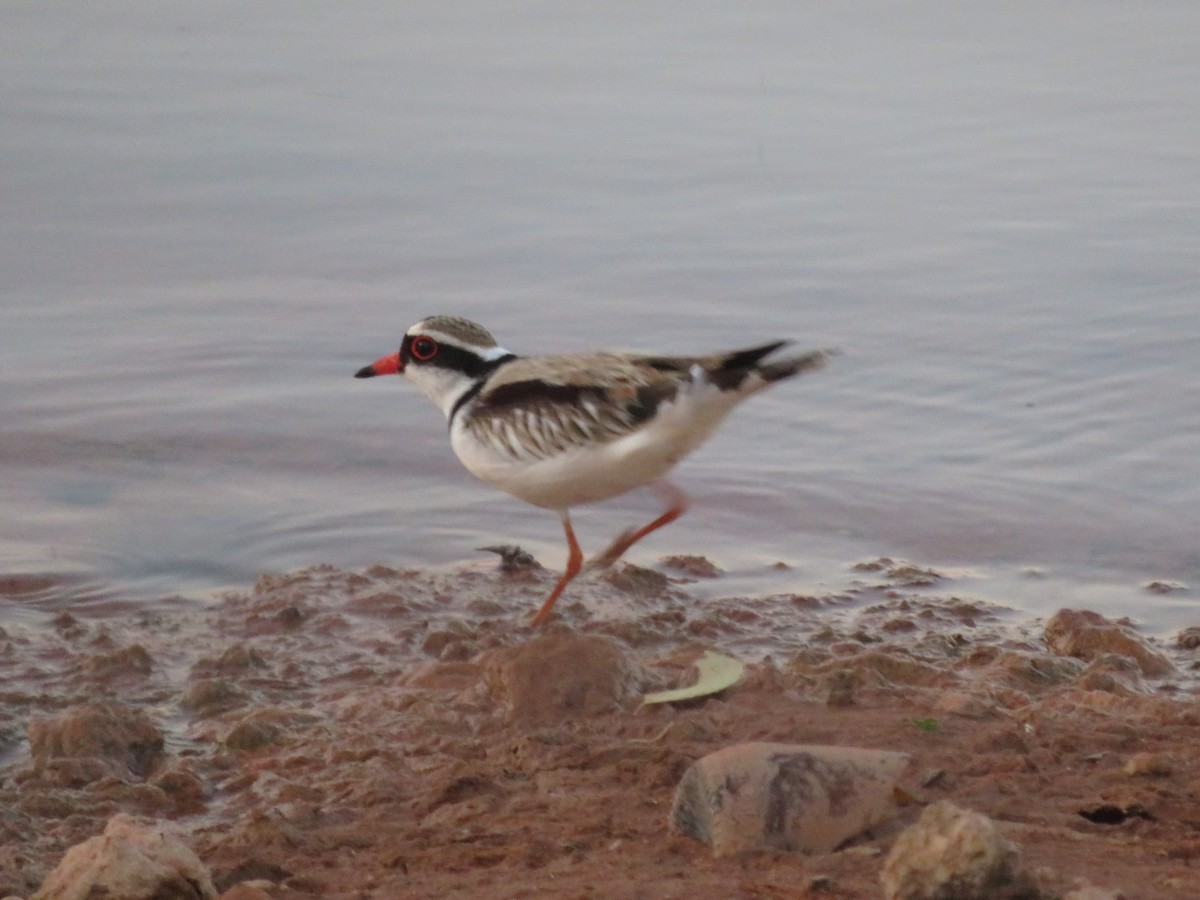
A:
x: 542, y: 406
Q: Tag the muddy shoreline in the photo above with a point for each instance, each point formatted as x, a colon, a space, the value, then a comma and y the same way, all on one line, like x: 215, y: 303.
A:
x: 354, y: 734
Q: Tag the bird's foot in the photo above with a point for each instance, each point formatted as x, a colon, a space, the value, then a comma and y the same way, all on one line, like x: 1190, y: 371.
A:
x: 615, y: 551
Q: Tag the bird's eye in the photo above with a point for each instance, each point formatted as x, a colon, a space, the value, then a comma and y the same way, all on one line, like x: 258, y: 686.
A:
x: 424, y: 349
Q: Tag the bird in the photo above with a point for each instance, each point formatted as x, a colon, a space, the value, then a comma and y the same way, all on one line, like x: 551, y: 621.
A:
x: 560, y: 431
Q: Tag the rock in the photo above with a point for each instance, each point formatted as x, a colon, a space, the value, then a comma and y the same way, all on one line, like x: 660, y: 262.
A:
x: 1092, y: 893
x: 692, y: 566
x: 1113, y: 674
x: 456, y: 641
x: 562, y: 675
x: 208, y: 697
x: 250, y: 890
x: 637, y: 581
x: 131, y: 860
x: 1035, y: 672
x: 252, y: 871
x: 184, y: 789
x: 123, y: 739
x: 127, y: 663
x: 77, y: 771
x: 264, y: 727
x: 785, y: 796
x: 953, y: 854
x: 137, y: 797
x: 237, y: 660
x: 843, y: 683
x: 1085, y: 634
x: 961, y: 703
x: 1154, y: 765
x: 886, y: 668
x: 1189, y: 638
x: 1164, y: 587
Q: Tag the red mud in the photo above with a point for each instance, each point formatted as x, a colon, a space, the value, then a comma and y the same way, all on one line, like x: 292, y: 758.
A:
x: 405, y: 734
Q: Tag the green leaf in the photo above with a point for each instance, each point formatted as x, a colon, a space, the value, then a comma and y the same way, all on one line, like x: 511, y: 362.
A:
x: 717, y: 672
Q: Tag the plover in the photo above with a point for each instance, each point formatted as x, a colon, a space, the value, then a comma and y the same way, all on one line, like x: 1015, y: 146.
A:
x: 561, y: 431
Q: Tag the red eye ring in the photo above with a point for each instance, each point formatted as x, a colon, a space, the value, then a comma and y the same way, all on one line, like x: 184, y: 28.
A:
x: 424, y: 348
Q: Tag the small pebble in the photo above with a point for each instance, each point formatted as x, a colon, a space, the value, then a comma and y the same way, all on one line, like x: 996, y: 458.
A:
x: 1153, y: 765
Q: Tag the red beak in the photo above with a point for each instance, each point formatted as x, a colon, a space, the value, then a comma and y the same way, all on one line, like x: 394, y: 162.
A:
x: 385, y: 365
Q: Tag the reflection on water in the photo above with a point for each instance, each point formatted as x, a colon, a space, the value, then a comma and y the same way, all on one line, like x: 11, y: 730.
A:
x: 210, y: 223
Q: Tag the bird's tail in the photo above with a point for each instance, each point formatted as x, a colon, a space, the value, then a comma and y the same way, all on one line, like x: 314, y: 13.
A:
x: 744, y: 369
x: 796, y: 365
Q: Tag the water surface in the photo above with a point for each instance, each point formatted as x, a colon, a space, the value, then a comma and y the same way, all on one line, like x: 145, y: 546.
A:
x: 212, y: 218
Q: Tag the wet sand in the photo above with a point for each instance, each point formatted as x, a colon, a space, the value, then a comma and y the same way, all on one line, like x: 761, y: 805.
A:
x: 331, y: 733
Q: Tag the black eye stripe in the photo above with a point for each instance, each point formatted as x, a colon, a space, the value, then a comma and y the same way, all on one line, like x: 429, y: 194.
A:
x: 465, y: 361
x: 448, y: 356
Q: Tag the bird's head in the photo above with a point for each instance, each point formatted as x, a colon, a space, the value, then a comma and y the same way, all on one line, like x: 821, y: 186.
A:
x: 444, y: 356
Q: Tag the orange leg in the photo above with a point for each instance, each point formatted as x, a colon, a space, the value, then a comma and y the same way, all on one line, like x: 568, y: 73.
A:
x: 574, y: 564
x: 677, y: 504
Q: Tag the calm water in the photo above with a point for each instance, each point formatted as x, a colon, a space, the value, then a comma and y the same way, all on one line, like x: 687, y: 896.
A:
x: 212, y: 216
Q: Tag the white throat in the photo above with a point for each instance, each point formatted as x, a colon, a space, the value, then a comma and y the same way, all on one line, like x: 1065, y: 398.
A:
x: 445, y: 387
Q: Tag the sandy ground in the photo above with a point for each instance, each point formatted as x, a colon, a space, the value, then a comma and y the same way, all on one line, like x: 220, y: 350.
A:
x: 405, y: 734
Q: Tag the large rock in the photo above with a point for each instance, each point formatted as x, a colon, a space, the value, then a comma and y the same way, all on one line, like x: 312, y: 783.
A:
x: 1086, y: 635
x: 124, y: 741
x: 953, y: 854
x: 562, y: 675
x: 131, y: 860
x: 786, y: 796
